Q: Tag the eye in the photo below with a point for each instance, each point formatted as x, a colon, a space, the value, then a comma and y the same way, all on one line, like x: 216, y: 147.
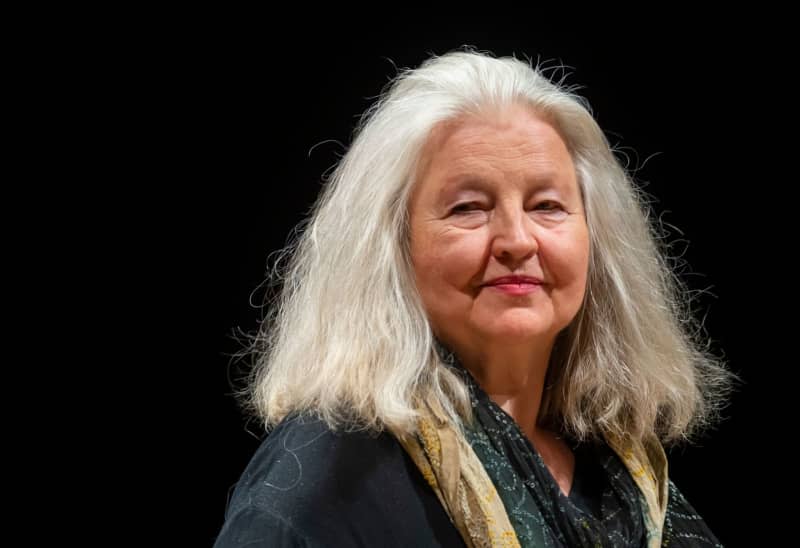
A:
x: 548, y: 205
x: 466, y: 207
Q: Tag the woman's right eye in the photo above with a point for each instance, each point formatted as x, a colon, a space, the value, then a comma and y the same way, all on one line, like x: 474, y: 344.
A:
x: 465, y: 207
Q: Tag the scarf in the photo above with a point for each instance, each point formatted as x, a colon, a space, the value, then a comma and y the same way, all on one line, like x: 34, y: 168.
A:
x: 498, y: 491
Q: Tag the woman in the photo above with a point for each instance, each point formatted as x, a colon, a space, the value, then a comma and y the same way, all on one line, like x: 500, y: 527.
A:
x: 478, y: 341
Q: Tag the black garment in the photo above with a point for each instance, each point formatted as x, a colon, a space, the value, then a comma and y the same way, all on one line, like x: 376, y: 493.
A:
x: 308, y: 486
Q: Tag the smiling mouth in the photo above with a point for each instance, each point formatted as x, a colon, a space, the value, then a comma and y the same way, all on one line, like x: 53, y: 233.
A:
x: 517, y: 288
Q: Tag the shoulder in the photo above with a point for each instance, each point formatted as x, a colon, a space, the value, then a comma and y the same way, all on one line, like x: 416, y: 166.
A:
x: 310, y: 484
x: 683, y: 526
x: 302, y: 463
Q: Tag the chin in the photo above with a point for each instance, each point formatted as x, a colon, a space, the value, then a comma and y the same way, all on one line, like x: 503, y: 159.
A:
x: 518, y: 331
x: 519, y: 323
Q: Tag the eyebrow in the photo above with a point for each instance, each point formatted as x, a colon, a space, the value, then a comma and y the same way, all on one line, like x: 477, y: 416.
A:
x: 460, y: 182
x: 464, y: 182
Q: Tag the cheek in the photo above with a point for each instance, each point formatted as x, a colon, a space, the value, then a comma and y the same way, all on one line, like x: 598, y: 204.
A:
x: 576, y: 259
x: 580, y: 267
x: 447, y: 260
x: 568, y: 258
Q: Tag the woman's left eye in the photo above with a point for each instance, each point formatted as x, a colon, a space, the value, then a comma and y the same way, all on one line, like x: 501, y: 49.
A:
x: 548, y: 206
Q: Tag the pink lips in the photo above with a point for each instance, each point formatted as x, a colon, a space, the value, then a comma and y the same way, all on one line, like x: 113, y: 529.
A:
x: 515, y: 285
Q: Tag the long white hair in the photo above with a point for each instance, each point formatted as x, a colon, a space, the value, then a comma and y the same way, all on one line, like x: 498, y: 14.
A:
x: 346, y: 336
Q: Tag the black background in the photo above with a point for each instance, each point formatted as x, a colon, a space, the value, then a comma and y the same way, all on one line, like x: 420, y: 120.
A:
x: 225, y: 109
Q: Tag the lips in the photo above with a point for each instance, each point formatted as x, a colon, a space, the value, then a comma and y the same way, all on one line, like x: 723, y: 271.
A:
x: 515, y: 286
x: 515, y: 280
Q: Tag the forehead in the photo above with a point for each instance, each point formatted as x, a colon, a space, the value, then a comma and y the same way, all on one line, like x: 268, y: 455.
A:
x: 516, y: 142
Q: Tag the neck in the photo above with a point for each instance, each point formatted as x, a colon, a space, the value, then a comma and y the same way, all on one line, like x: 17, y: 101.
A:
x: 513, y: 377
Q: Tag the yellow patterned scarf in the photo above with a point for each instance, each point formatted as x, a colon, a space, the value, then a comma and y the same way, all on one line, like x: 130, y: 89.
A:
x: 462, y: 485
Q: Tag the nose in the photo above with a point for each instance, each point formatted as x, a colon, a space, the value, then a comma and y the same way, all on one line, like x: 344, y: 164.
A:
x: 513, y: 236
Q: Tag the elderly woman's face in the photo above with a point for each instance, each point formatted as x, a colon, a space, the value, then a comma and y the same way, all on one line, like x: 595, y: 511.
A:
x: 498, y: 197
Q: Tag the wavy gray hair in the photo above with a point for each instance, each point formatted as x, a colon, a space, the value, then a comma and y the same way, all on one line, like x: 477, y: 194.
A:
x: 347, y: 337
